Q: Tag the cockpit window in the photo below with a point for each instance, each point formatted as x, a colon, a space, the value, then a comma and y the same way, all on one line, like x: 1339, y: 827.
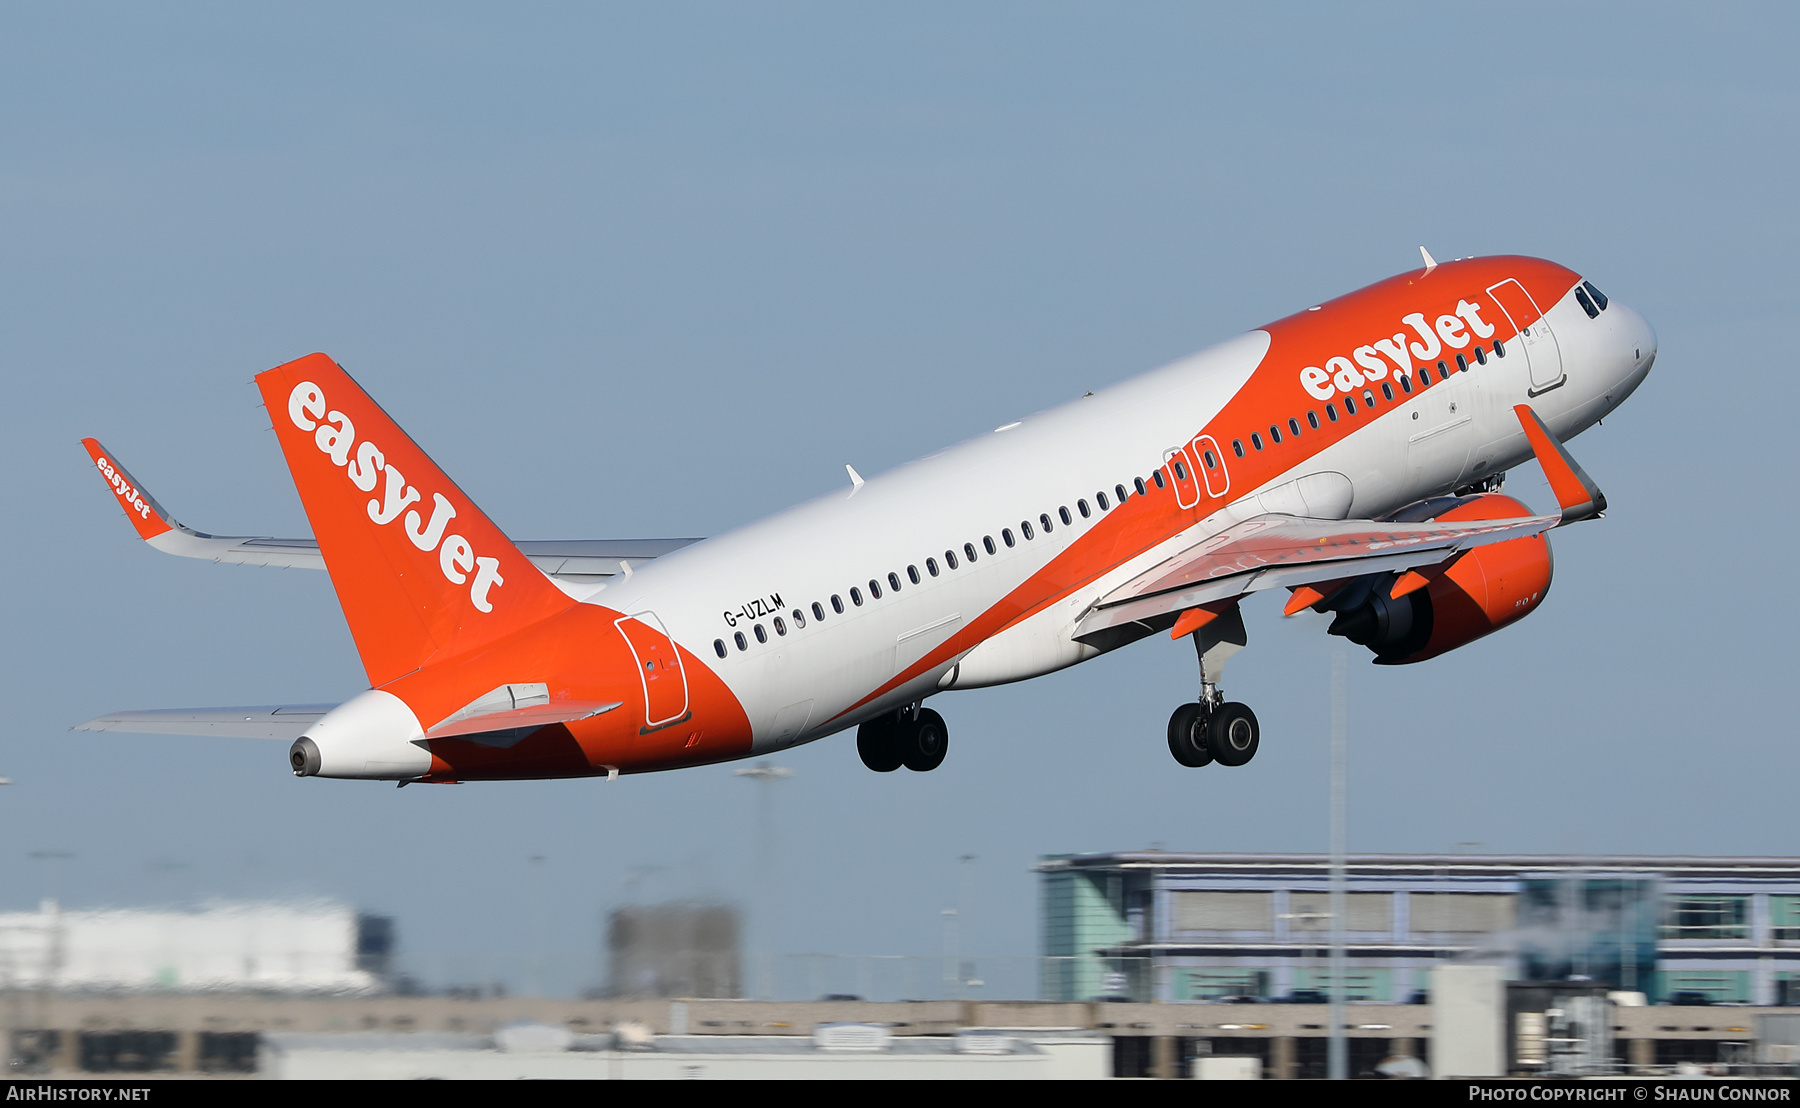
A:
x: 1599, y: 297
x: 1586, y: 304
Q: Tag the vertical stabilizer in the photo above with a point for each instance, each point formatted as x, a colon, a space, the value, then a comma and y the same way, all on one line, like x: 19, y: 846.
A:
x: 421, y: 573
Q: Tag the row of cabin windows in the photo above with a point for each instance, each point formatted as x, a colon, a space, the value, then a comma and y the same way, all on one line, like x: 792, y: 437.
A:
x: 1423, y: 379
x: 970, y: 554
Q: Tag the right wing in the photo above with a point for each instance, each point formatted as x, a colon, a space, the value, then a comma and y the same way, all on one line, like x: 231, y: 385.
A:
x: 572, y: 560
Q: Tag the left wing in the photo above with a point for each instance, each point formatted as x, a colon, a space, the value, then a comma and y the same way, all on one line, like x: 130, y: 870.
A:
x: 1277, y: 551
x: 1287, y: 551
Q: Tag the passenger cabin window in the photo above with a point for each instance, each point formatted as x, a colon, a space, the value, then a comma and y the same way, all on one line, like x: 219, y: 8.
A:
x: 1274, y: 433
x: 1062, y: 513
x: 1331, y: 413
x: 1387, y: 391
x: 931, y: 566
x: 1180, y: 470
x: 1081, y: 506
x: 874, y: 589
x: 1256, y: 440
x: 1349, y: 405
x: 1499, y: 349
x: 1312, y: 420
x: 1100, y: 498
x: 819, y: 612
x: 1405, y: 383
x: 1480, y: 354
x: 799, y: 618
x: 1294, y: 427
x: 1443, y: 372
x: 969, y: 551
x: 838, y: 605
x: 719, y: 647
x: 1237, y: 447
x: 1006, y: 536
x: 855, y: 596
x: 1369, y: 399
x: 1158, y: 478
x: 739, y: 639
x: 987, y: 544
x: 1211, y: 462
x: 761, y: 635
x: 1599, y: 297
x: 1462, y: 364
x: 780, y: 625
x: 912, y: 573
x: 1120, y: 489
x: 1047, y: 524
x: 1025, y: 528
x: 894, y: 581
x: 950, y: 558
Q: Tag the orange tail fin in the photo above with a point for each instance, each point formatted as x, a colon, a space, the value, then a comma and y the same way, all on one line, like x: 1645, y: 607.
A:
x: 421, y: 573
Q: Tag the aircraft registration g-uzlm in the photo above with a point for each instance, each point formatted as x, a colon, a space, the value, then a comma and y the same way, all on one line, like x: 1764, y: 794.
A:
x: 1351, y: 453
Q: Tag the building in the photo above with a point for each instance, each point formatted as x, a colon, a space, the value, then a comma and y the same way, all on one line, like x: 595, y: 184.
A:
x: 261, y: 947
x: 1160, y: 926
x: 681, y: 948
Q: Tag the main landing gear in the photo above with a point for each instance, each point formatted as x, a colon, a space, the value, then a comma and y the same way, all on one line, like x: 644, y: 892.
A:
x: 1214, y: 729
x: 913, y: 737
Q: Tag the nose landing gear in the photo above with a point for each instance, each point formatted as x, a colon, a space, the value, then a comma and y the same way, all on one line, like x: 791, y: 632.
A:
x: 914, y: 737
x: 1214, y: 729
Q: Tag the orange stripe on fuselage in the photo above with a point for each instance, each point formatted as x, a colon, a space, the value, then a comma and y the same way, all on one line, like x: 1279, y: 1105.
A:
x: 1338, y: 328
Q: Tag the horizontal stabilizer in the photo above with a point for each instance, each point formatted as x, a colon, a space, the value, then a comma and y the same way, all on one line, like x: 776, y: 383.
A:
x: 1277, y: 551
x: 278, y: 721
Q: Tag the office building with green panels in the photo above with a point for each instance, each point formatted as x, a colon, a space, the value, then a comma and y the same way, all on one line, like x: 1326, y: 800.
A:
x: 1155, y: 925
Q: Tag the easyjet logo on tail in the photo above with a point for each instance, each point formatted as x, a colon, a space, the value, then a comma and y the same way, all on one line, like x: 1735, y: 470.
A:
x: 1341, y: 374
x: 126, y: 492
x: 335, y: 436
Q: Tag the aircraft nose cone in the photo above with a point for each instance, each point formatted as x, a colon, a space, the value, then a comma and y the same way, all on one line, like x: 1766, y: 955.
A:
x: 1643, y: 341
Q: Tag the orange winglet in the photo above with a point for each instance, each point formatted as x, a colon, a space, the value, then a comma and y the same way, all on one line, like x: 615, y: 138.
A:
x: 1190, y: 621
x: 144, y: 512
x: 1410, y: 581
x: 1575, y: 491
x: 1304, y: 597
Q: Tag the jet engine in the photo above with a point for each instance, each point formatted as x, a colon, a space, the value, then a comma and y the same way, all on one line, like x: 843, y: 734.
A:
x: 1476, y: 594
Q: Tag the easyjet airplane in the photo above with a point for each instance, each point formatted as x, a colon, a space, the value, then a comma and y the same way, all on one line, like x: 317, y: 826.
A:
x: 1351, y: 453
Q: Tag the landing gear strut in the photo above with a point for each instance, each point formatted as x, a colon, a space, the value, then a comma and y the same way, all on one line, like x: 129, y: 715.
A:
x: 914, y: 737
x: 1213, y: 729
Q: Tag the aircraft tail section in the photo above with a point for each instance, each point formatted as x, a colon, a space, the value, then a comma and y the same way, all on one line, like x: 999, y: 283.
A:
x: 420, y: 571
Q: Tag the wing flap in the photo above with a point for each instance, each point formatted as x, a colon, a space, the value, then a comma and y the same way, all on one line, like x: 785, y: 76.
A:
x: 273, y: 721
x: 1275, y: 551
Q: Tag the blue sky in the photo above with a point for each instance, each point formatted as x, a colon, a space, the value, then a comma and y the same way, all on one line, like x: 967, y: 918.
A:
x: 662, y: 269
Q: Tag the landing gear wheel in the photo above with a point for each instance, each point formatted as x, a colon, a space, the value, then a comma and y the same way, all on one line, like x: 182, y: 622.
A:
x: 1234, y: 735
x: 1188, y: 736
x: 876, y: 743
x: 923, y: 742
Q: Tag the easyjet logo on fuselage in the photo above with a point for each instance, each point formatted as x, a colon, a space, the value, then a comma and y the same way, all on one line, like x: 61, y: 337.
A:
x: 335, y: 435
x: 1341, y: 374
x: 123, y: 489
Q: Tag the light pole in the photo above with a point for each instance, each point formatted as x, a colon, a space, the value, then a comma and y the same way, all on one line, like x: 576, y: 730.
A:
x: 762, y: 896
x: 1338, y: 1060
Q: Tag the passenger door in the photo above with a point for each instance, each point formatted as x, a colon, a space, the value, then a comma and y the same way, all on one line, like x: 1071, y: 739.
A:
x: 1542, y: 353
x: 659, y: 668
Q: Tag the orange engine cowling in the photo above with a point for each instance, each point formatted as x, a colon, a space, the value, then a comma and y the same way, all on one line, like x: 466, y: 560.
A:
x: 1477, y: 594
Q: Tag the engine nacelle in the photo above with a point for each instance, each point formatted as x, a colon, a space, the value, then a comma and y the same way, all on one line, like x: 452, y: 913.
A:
x: 1476, y: 595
